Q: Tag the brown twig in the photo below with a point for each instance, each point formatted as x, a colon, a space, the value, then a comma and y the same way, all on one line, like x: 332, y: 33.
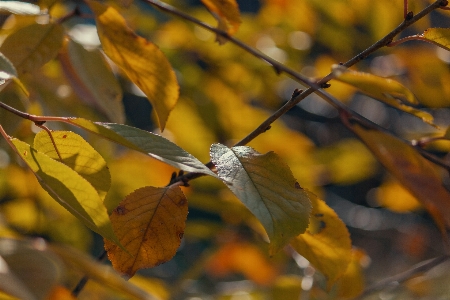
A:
x: 51, y: 138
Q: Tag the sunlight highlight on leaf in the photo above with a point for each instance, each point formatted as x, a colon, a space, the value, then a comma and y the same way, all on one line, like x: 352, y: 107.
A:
x: 78, y: 155
x: 149, y: 223
x: 68, y: 188
x: 438, y: 36
x: 141, y: 60
x: 413, y: 171
x: 146, y: 142
x: 227, y: 14
x: 38, y: 43
x: 265, y: 184
x: 326, y: 243
x: 385, y: 90
x: 20, y: 8
x: 82, y: 69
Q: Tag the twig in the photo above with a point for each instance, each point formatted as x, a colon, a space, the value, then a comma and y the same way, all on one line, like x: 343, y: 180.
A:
x: 51, y: 138
x: 402, y: 277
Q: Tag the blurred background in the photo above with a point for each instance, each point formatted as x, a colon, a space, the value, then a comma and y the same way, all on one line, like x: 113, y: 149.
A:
x: 225, y: 94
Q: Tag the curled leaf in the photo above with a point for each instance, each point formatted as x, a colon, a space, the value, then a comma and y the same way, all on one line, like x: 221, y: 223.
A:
x: 265, y: 184
x: 149, y: 223
x: 383, y: 89
x: 142, y: 61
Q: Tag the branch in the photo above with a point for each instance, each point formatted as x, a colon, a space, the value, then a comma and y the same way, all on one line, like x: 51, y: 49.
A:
x: 402, y: 277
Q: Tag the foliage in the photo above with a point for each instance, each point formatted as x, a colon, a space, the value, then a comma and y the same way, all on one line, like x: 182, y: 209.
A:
x: 277, y: 146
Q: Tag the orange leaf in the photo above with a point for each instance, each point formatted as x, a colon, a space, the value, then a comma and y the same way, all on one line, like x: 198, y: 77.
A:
x: 149, y: 223
x: 416, y: 173
x: 242, y: 258
x: 227, y: 14
x: 326, y: 243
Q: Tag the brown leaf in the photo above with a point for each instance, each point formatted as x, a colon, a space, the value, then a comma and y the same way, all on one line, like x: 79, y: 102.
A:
x: 149, y: 223
x: 413, y: 171
x: 227, y: 14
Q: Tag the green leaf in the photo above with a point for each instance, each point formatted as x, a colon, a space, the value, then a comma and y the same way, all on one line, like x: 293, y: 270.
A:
x: 414, y: 172
x: 77, y: 154
x: 438, y: 36
x: 20, y: 8
x: 68, y: 188
x: 8, y: 72
x: 32, y: 46
x: 385, y: 90
x: 82, y: 68
x: 146, y: 142
x: 141, y: 60
x: 265, y: 184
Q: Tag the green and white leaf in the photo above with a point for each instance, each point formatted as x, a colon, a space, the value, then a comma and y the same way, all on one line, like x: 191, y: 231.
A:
x: 146, y: 142
x: 265, y: 184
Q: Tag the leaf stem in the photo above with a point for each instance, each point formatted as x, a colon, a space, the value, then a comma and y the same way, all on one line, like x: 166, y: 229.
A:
x: 51, y: 138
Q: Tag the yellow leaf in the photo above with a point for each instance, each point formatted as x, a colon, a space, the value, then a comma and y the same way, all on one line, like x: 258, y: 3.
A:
x: 32, y: 46
x: 77, y: 154
x: 413, y: 171
x: 141, y: 60
x: 438, y: 36
x: 149, y: 223
x: 227, y: 14
x: 326, y: 243
x: 392, y: 195
x: 351, y: 284
x: 385, y: 90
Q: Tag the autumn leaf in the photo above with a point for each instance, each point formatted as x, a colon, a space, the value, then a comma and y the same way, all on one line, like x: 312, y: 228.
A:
x: 227, y: 14
x: 242, y: 257
x: 141, y: 60
x: 438, y: 36
x: 326, y: 243
x: 149, y: 223
x: 8, y: 72
x: 413, y: 171
x: 77, y: 154
x: 265, y: 184
x: 146, y: 142
x: 68, y: 188
x: 352, y: 284
x: 383, y: 89
x: 20, y: 8
x: 38, y: 44
x: 81, y: 68
x: 392, y: 195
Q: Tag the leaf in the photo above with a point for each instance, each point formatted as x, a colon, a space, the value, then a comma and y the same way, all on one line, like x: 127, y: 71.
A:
x: 78, y: 155
x: 265, y: 184
x: 68, y: 188
x: 9, y: 72
x: 32, y: 46
x: 438, y: 36
x: 103, y: 274
x: 385, y: 90
x: 82, y: 68
x: 141, y: 60
x: 392, y: 195
x: 227, y: 14
x: 352, y: 284
x: 149, y: 223
x: 326, y: 243
x: 20, y: 8
x: 413, y: 171
x: 146, y: 142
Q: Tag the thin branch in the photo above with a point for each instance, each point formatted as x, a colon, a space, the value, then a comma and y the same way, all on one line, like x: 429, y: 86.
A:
x: 36, y: 119
x: 402, y: 277
x: 51, y: 138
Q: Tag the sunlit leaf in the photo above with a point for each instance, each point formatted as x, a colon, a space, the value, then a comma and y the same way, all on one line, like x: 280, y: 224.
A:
x: 105, y: 275
x: 242, y: 257
x: 392, y: 195
x: 77, y: 154
x: 352, y: 282
x: 413, y: 171
x: 149, y: 223
x: 38, y: 44
x: 265, y: 184
x: 61, y: 293
x: 326, y: 243
x: 438, y: 36
x: 385, y: 90
x: 68, y: 188
x: 82, y: 68
x: 8, y: 72
x: 146, y: 142
x: 140, y: 59
x: 20, y: 8
x: 27, y: 269
x: 227, y: 14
